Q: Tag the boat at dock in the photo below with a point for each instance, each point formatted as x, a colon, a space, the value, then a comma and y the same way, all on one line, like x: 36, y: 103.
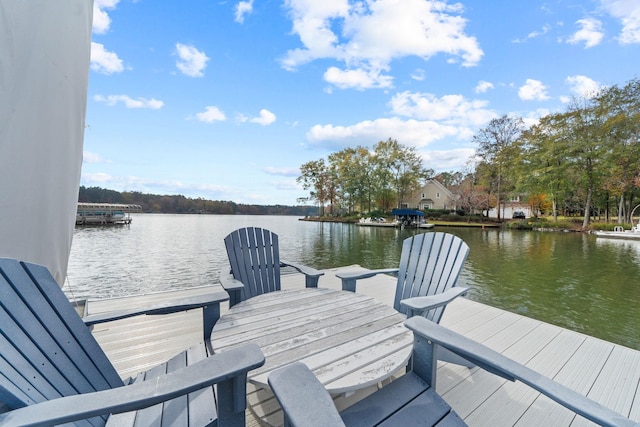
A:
x: 105, y: 213
x: 373, y: 222
x: 620, y: 233
x: 410, y: 218
x: 402, y: 218
x: 377, y: 222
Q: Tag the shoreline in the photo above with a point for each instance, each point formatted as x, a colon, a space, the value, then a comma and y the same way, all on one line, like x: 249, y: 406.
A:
x: 434, y: 222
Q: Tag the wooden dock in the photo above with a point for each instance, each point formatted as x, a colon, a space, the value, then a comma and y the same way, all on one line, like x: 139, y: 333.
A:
x: 605, y: 372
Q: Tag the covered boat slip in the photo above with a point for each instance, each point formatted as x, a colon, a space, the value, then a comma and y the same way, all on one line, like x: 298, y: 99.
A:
x: 605, y: 372
x: 105, y: 213
x: 402, y: 218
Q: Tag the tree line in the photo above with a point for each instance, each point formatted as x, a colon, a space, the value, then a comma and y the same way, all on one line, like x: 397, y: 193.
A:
x: 583, y: 161
x: 184, y: 205
x: 359, y: 179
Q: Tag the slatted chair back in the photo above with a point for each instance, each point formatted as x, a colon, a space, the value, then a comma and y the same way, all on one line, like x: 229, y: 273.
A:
x: 430, y: 263
x: 46, y: 351
x: 255, y: 260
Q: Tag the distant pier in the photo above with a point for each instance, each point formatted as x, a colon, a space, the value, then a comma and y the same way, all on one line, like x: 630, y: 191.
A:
x: 105, y: 213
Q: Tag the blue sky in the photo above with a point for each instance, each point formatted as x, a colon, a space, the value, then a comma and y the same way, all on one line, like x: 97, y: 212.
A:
x: 225, y: 100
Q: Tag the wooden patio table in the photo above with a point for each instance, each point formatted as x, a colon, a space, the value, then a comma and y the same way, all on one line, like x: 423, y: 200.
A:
x: 350, y: 341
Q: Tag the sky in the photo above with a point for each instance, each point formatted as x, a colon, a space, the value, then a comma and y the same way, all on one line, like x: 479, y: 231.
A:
x: 225, y: 100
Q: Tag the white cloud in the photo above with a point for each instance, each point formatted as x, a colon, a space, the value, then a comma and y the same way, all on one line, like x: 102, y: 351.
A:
x: 285, y: 185
x: 583, y: 86
x: 447, y: 160
x: 211, y: 114
x: 312, y: 23
x: 411, y: 132
x: 590, y: 33
x: 532, y: 118
x: 101, y: 20
x: 449, y: 109
x: 103, y: 61
x: 483, y: 86
x: 129, y: 102
x: 89, y: 157
x: 420, y: 134
x: 419, y: 120
x: 357, y: 79
x: 533, y: 90
x: 271, y: 170
x: 153, y: 186
x: 243, y: 8
x: 418, y: 74
x: 266, y: 118
x: 533, y: 34
x: 373, y: 34
x: 191, y: 61
x: 628, y: 12
x: 96, y: 178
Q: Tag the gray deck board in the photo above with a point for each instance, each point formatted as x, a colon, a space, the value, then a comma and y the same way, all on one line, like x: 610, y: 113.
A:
x: 606, y: 372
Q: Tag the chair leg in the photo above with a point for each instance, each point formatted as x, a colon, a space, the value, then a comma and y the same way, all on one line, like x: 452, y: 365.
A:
x: 232, y: 401
x: 210, y: 315
x: 311, y: 281
x: 424, y: 359
x: 235, y: 296
x: 349, y: 285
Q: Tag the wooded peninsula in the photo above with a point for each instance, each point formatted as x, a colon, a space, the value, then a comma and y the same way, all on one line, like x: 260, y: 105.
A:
x: 179, y: 204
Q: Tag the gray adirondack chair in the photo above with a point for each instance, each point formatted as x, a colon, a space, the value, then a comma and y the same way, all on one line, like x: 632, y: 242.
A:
x: 412, y: 399
x: 53, y: 371
x: 254, y: 257
x: 430, y: 264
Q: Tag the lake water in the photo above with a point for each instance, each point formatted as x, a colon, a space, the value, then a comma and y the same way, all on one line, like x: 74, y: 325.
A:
x: 568, y: 279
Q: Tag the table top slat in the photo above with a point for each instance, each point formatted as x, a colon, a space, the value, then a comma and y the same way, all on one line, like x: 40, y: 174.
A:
x: 350, y: 339
x: 343, y: 343
x: 283, y: 300
x: 284, y: 319
x: 336, y: 330
x: 371, y: 374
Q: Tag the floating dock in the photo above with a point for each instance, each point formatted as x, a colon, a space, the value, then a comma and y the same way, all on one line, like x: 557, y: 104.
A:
x: 368, y: 222
x: 105, y: 213
x: 606, y: 372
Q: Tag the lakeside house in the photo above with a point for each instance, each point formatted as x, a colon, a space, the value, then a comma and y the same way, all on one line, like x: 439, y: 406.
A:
x: 435, y: 195
x: 507, y: 208
x: 432, y: 195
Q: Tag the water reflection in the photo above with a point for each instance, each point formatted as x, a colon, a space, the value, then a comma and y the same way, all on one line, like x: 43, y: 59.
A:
x: 571, y: 280
x: 623, y: 250
x: 568, y: 279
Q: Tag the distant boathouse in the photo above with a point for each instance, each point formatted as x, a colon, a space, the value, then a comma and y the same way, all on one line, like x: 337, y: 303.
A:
x: 105, y: 213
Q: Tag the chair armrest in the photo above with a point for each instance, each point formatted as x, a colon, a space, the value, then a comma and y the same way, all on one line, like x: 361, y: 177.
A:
x: 349, y: 278
x: 229, y: 366
x: 501, y: 365
x: 304, y: 400
x: 417, y: 305
x: 230, y: 284
x: 172, y: 306
x: 311, y: 274
x: 234, y: 287
x: 210, y: 304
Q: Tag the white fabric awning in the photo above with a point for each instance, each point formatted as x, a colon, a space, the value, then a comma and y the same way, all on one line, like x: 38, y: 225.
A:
x: 45, y: 50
